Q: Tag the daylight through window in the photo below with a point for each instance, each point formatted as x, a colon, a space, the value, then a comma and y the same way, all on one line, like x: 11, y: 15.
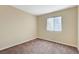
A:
x: 54, y: 24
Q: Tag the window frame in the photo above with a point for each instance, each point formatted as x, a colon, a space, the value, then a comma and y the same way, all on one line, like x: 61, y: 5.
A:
x: 54, y: 24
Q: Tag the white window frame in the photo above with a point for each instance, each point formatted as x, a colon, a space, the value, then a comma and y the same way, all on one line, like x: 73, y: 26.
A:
x: 53, y: 24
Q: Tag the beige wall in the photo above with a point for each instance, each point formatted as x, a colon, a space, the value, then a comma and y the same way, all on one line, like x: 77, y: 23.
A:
x: 68, y: 35
x: 15, y: 27
x: 78, y: 27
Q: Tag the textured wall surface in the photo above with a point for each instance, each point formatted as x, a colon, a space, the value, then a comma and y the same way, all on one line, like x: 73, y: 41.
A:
x: 68, y: 35
x: 16, y: 27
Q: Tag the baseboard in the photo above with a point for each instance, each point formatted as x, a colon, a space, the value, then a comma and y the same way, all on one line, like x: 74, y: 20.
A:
x: 57, y: 42
x: 34, y: 39
x: 16, y: 44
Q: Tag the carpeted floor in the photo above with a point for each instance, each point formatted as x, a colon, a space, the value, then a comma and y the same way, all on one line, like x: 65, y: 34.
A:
x: 39, y: 46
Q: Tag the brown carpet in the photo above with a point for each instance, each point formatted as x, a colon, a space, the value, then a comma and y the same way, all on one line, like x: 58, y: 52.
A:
x: 39, y: 46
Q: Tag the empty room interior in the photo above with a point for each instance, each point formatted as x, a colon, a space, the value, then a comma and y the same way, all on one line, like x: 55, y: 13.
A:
x: 39, y: 29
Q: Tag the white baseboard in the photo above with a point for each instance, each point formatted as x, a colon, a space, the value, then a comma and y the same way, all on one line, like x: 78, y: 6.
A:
x: 16, y: 44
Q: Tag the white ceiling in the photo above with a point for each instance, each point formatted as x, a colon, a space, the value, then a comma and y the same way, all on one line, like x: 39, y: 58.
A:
x: 41, y: 9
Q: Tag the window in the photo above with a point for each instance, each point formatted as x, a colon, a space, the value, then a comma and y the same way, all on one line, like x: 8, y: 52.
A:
x: 54, y: 24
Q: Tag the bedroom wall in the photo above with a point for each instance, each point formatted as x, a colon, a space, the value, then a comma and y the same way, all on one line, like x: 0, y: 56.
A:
x: 16, y: 27
x: 78, y: 27
x: 68, y: 35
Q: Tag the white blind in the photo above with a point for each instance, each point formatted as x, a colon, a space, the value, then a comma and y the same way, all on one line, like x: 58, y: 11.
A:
x: 54, y: 24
